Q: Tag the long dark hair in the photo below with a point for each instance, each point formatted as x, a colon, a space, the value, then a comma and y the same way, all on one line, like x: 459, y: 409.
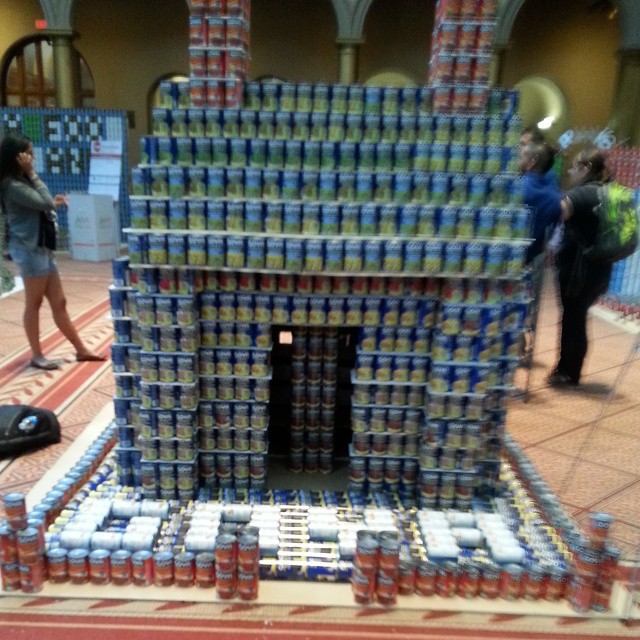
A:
x: 11, y: 146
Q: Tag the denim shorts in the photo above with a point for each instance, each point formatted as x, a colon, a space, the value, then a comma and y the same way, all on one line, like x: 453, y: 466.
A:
x: 33, y: 264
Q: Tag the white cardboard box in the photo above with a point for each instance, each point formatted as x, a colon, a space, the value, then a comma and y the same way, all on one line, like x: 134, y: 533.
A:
x: 93, y: 227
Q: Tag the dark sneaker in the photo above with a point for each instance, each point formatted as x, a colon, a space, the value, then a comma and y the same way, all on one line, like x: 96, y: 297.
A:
x: 558, y: 379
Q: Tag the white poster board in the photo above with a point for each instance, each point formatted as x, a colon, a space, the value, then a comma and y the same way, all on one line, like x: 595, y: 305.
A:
x: 105, y: 168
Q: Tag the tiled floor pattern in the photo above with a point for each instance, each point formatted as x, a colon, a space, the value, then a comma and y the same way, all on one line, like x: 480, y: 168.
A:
x: 593, y: 463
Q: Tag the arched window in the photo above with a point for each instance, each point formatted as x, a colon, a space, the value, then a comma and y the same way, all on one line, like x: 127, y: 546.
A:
x: 27, y: 78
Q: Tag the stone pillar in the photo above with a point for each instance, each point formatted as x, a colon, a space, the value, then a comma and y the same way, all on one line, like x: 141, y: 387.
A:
x: 625, y: 112
x: 64, y: 71
x: 349, y: 49
x: 497, y: 66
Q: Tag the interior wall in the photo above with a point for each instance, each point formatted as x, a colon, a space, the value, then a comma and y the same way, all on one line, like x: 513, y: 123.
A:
x: 17, y: 18
x: 397, y: 35
x: 128, y: 47
x: 294, y: 40
x: 573, y: 48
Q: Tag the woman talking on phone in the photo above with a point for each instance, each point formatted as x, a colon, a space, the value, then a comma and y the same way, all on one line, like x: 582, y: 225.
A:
x: 31, y: 221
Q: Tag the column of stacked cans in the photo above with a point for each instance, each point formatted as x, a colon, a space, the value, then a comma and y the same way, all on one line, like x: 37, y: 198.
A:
x: 156, y: 367
x: 22, y: 547
x: 218, y: 51
x: 313, y: 397
x: 461, y: 54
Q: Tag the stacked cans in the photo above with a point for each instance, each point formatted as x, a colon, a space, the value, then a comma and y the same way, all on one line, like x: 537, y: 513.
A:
x: 314, y: 376
x: 22, y: 546
x: 237, y: 564
x: 218, y: 51
x: 461, y: 54
x: 376, y: 568
x: 595, y: 563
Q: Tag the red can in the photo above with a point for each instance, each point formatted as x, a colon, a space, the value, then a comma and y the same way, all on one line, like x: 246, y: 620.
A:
x: 490, y: 581
x: 142, y: 568
x: 460, y: 98
x: 511, y: 582
x: 426, y: 578
x: 198, y: 93
x: 217, y: 7
x: 486, y: 33
x: 468, y: 37
x: 15, y: 509
x: 32, y: 576
x: 389, y: 558
x: 215, y: 31
x: 197, y: 6
x: 215, y: 64
x: 248, y: 585
x: 469, y: 580
x: 10, y: 577
x: 198, y: 63
x: 78, y: 563
x: 366, y: 558
x: 488, y: 8
x: 447, y: 576
x: 535, y: 583
x: 121, y: 567
x: 226, y: 584
x: 469, y: 9
x: 598, y: 529
x: 226, y: 552
x: 441, y: 99
x: 581, y: 593
x: 406, y: 577
x: 387, y: 588
x: 248, y: 553
x: 184, y: 569
x: 28, y: 552
x: 205, y: 576
x: 449, y: 9
x: 57, y: 566
x: 8, y: 545
x: 196, y: 31
x: 214, y: 94
x: 363, y: 586
x: 163, y: 569
x: 99, y: 566
x: 236, y: 7
x: 557, y: 582
x: 609, y: 563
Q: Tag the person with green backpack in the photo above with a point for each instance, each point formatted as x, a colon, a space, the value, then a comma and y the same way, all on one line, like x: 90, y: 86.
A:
x: 601, y: 227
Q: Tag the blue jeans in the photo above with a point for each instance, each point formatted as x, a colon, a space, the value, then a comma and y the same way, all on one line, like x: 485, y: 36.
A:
x: 33, y: 264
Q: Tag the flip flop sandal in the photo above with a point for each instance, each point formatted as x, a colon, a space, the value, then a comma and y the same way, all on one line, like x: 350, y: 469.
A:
x: 89, y: 357
x: 45, y: 365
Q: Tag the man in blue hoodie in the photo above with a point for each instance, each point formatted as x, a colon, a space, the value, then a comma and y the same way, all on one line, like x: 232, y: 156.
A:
x: 541, y: 193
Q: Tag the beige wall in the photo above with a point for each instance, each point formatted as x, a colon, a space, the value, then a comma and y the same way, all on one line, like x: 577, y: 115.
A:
x: 128, y: 47
x: 573, y: 48
x: 294, y: 39
x: 397, y: 35
x: 17, y: 19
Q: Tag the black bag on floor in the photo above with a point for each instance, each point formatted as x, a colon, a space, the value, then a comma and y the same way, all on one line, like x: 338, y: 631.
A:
x: 23, y: 427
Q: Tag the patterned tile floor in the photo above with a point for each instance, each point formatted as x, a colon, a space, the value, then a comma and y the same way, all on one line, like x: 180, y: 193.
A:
x: 593, y: 463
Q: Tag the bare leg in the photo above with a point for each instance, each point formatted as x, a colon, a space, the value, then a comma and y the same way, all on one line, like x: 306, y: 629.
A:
x: 34, y: 292
x: 55, y: 294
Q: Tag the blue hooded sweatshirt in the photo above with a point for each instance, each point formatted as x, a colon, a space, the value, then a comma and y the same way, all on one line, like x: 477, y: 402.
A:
x: 542, y: 194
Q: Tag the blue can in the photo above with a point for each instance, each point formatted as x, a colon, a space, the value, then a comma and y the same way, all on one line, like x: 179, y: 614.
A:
x: 353, y: 256
x: 440, y: 187
x: 294, y: 254
x: 369, y: 219
x: 330, y: 219
x: 274, y: 217
x: 413, y: 256
x: 139, y: 212
x: 373, y: 256
x: 215, y: 252
x: 292, y: 218
x: 256, y: 253
x: 334, y: 257
x: 453, y: 253
x: 393, y: 252
x: 215, y: 216
x: 408, y: 220
x: 275, y: 253
x: 486, y: 222
x: 216, y: 184
x: 364, y: 187
x: 275, y: 154
x: 402, y: 187
x: 314, y: 255
x: 495, y: 259
x: 521, y: 224
x: 327, y: 189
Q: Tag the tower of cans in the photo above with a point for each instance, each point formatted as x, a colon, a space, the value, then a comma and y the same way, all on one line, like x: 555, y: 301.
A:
x: 218, y: 52
x: 314, y: 376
